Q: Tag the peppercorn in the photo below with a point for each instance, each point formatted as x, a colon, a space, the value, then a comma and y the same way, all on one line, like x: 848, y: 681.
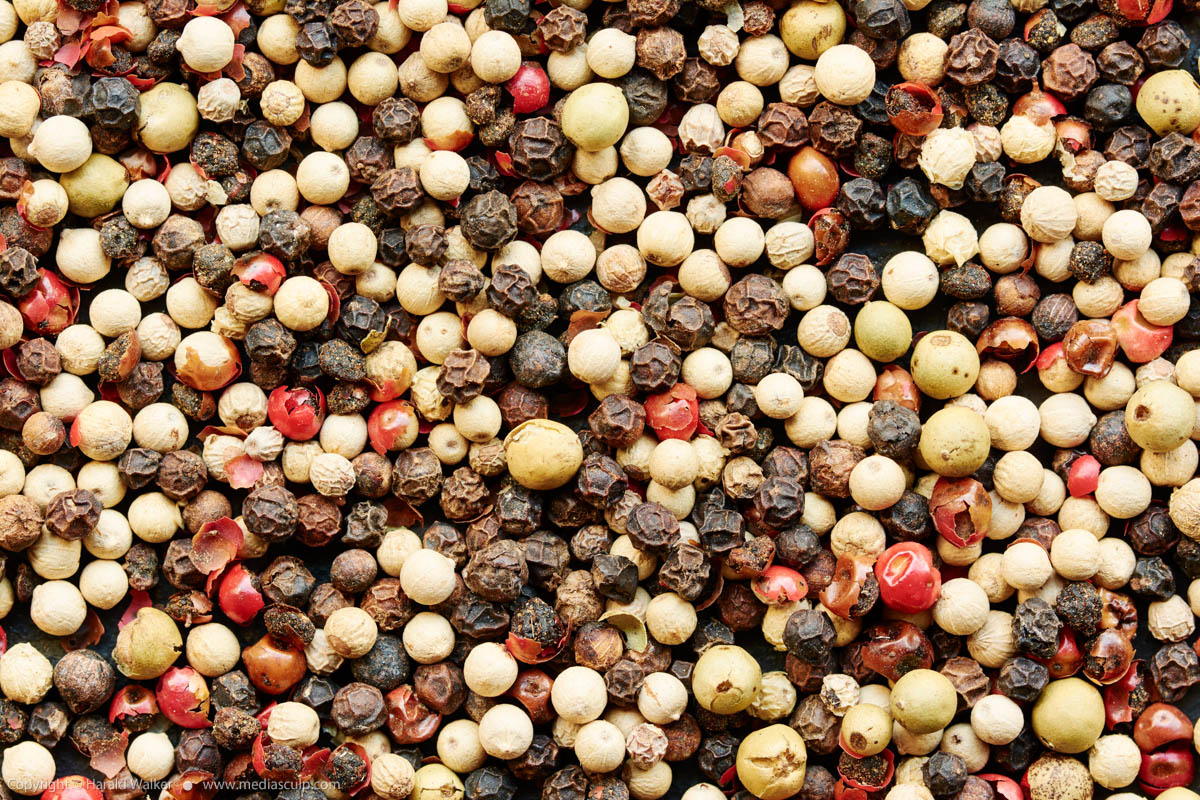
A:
x: 1121, y: 63
x: 944, y: 773
x: 647, y: 95
x: 1174, y: 668
x: 47, y: 723
x: 910, y: 207
x: 1035, y: 628
x: 833, y: 130
x: 945, y: 17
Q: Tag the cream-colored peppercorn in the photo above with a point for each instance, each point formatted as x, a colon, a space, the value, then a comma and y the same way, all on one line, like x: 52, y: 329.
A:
x: 207, y: 44
x: 428, y: 637
x: 294, y: 725
x: 427, y: 577
x: 600, y: 746
x: 151, y: 756
x: 1027, y: 565
x: 996, y: 719
x: 845, y: 74
x: 1114, y: 761
x: 739, y: 241
x: 670, y: 619
x: 662, y: 698
x: 301, y: 303
x: 1066, y: 419
x: 1027, y: 141
x: 212, y: 649
x: 57, y: 608
x: 579, y: 695
x: 1092, y: 212
x: 489, y: 669
x: 1115, y: 181
x: 27, y: 768
x: 1126, y: 234
x: 962, y: 607
x: 19, y: 106
x: 1170, y: 102
x: 320, y: 657
x: 1123, y: 491
x: 771, y: 762
x: 876, y: 482
x: 1018, y: 476
x: 351, y: 632
x: 947, y: 155
x: 1048, y: 214
x: 282, y: 103
x: 1075, y: 555
x: 25, y: 674
x: 778, y: 395
x: 950, y: 238
x: 726, y: 679
x: 505, y: 731
x: 1170, y: 620
x: 458, y: 746
x: 391, y: 776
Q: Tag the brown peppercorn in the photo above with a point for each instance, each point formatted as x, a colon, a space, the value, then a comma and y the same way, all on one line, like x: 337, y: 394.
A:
x: 739, y: 608
x: 73, y: 514
x: 416, y: 475
x: 120, y: 357
x: 782, y: 125
x: 181, y: 475
x: 178, y: 567
x: 462, y: 375
x: 969, y: 680
x: 387, y: 604
x: 767, y: 193
x: 440, y: 686
x: 830, y: 464
x: 323, y: 601
x: 358, y: 709
x: 1120, y: 62
x: 353, y: 571
x: 270, y: 512
x: 540, y: 151
x: 84, y: 680
x: 539, y: 208
x: 355, y: 22
x: 286, y: 580
x: 971, y: 57
x: 141, y: 565
x: 234, y: 728
x: 563, y: 28
x: 367, y: 159
x: 834, y: 130
x: 1069, y: 71
x: 816, y: 724
x: 397, y: 191
x: 654, y: 367
x: 489, y: 221
x: 38, y: 361
x: 47, y: 723
x: 1017, y: 295
x: 697, y: 81
x: 143, y: 386
x: 44, y: 434
x: 464, y: 495
x: 19, y: 273
x: 661, y: 50
x: 318, y: 520
x: 18, y: 402
x: 853, y: 280
x: 497, y: 571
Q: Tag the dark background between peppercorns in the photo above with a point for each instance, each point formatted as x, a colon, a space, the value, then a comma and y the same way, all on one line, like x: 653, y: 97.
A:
x: 879, y: 245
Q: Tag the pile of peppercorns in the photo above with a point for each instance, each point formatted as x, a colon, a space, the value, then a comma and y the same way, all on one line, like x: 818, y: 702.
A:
x: 418, y: 400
